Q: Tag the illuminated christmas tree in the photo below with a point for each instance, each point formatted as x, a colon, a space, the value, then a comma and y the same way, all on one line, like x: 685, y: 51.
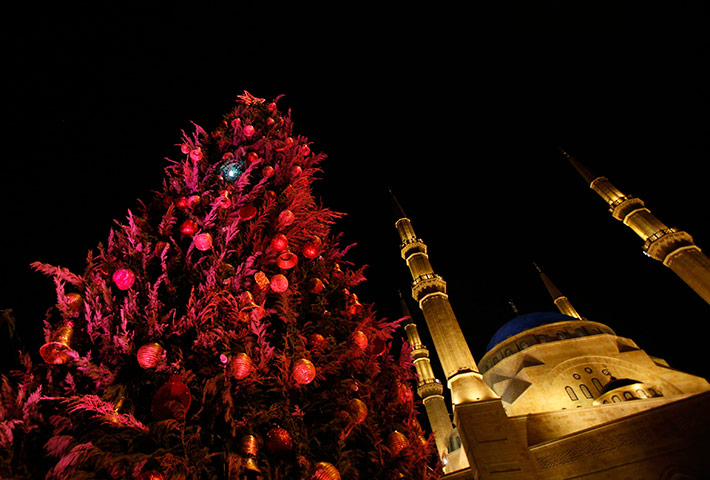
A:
x: 217, y: 335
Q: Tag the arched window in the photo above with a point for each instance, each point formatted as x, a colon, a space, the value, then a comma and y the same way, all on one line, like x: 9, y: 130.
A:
x: 523, y: 345
x: 585, y: 391
x: 597, y: 384
x: 572, y: 395
x: 542, y: 338
x: 628, y: 396
x: 561, y: 335
x: 641, y: 393
x: 655, y: 393
x: 615, y: 399
x: 508, y: 352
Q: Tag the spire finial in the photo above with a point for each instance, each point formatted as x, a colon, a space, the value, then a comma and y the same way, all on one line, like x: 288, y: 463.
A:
x: 398, y: 211
x: 405, y: 309
x: 513, y: 307
x: 587, y: 174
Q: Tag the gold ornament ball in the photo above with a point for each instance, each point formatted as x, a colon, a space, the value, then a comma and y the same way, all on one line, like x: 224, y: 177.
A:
x: 325, y: 471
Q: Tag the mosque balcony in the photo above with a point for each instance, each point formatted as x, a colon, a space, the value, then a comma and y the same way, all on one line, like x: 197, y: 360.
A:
x: 624, y: 205
x: 427, y: 284
x: 412, y: 245
x: 428, y: 387
x: 665, y: 241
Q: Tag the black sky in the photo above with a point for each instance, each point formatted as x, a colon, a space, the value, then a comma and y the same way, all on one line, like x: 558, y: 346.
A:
x: 460, y: 113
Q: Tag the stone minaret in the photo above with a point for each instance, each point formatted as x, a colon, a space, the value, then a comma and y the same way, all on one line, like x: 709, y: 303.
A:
x: 429, y: 387
x: 491, y: 442
x: 563, y: 304
x: 675, y: 248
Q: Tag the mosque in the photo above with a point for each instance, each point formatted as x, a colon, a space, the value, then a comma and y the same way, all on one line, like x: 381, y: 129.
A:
x: 556, y: 395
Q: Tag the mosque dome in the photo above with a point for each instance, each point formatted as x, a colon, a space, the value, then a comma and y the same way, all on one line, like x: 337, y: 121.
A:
x: 525, y: 322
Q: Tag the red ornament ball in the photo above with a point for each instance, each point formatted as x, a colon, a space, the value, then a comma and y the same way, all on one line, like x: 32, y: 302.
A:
x: 252, y: 157
x: 203, y: 241
x: 325, y: 471
x: 278, y: 441
x: 397, y: 441
x: 305, y: 150
x: 360, y: 340
x: 166, y: 397
x: 182, y: 202
x: 312, y: 249
x: 279, y: 283
x: 189, y: 227
x: 315, y: 285
x: 196, y: 154
x: 286, y: 218
x: 74, y: 302
x: 151, y: 475
x: 279, y: 243
x: 247, y: 212
x: 123, y: 278
x: 268, y: 171
x: 316, y: 340
x: 303, y: 371
x: 249, y: 130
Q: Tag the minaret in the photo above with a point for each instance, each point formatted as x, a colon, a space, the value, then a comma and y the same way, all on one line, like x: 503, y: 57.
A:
x: 429, y: 387
x: 675, y: 248
x: 561, y: 302
x: 429, y: 290
x: 491, y: 442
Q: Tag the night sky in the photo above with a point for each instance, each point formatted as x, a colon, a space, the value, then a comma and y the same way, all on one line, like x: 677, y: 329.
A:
x: 460, y: 113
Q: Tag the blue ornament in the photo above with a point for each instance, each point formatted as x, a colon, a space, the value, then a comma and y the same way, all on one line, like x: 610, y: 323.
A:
x: 231, y: 171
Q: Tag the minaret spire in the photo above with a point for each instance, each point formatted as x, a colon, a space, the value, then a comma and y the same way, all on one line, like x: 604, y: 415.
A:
x: 561, y: 302
x: 429, y: 387
x: 675, y: 248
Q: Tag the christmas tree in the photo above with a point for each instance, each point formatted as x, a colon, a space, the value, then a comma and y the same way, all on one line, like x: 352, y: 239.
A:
x: 217, y: 335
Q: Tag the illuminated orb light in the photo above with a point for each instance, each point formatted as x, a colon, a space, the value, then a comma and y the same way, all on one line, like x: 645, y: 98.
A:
x: 325, y: 471
x: 203, y: 241
x: 268, y: 171
x: 241, y: 366
x: 303, y: 371
x: 279, y: 283
x: 230, y: 171
x: 287, y: 260
x: 149, y: 355
x: 123, y: 278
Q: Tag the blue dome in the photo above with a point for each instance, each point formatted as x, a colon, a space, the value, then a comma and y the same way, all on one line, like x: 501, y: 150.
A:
x: 525, y: 322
